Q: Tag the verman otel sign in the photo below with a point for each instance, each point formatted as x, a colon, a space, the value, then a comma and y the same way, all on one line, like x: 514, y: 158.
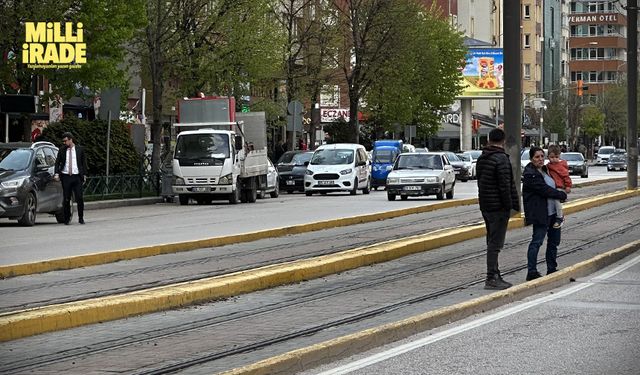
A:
x: 54, y: 45
x: 594, y: 18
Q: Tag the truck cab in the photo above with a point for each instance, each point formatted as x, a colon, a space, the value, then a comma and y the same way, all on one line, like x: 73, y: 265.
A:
x: 383, y: 156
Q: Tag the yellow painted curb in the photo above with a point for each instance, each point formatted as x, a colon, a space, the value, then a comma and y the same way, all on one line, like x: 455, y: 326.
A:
x: 51, y: 318
x: 147, y: 251
x: 342, y: 347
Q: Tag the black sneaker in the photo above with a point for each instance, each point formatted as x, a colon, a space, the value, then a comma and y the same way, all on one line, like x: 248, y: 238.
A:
x: 533, y: 275
x: 549, y: 272
x: 496, y: 283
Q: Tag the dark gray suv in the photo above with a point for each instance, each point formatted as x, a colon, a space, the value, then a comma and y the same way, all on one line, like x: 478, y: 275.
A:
x: 27, y: 185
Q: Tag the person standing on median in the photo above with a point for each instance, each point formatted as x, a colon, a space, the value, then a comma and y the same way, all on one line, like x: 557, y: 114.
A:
x: 538, y: 194
x: 497, y: 196
x: 71, y: 170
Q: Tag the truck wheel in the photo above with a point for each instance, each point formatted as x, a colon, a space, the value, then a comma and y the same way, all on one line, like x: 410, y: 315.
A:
x: 29, y: 217
x: 234, y: 197
x: 184, y: 199
x: 252, y: 193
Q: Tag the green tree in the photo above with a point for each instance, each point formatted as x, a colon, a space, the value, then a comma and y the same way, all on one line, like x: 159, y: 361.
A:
x: 592, y: 123
x: 107, y: 25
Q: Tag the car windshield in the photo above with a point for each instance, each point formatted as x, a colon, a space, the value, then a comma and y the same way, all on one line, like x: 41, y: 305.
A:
x: 475, y: 153
x: 452, y: 157
x: 329, y: 156
x: 620, y: 151
x: 14, y: 159
x: 571, y: 157
x: 287, y: 157
x: 605, y: 151
x: 464, y: 157
x: 384, y: 156
x: 300, y: 159
x: 202, y: 146
x: 418, y: 161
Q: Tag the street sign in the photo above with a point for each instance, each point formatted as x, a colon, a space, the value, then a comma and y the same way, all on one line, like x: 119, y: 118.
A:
x: 294, y: 119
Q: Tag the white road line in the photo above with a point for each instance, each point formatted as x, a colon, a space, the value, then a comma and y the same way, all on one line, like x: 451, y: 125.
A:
x: 362, y: 363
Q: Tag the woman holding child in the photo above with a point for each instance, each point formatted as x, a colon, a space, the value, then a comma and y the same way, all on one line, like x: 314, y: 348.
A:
x: 539, y: 194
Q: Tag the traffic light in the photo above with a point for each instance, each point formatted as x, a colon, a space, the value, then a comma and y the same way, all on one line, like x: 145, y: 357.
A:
x: 581, y: 87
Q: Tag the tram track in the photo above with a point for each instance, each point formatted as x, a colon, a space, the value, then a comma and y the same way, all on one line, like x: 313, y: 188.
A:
x: 399, y: 274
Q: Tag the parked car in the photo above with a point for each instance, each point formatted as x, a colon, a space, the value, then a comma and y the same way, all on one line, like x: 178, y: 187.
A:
x: 618, y: 160
x: 604, y: 152
x: 420, y: 174
x: 470, y: 158
x: 273, y: 183
x: 577, y: 163
x: 291, y: 170
x: 459, y: 166
x: 27, y: 186
x: 338, y: 167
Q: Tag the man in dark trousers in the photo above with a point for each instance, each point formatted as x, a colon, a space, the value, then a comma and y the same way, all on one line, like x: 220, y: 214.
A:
x: 497, y: 196
x: 71, y: 169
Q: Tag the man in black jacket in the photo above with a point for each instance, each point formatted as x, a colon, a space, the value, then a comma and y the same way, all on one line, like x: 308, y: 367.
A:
x: 497, y: 196
x: 71, y: 169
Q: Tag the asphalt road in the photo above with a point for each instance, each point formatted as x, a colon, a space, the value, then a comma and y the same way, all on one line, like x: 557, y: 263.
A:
x: 589, y: 327
x: 126, y: 227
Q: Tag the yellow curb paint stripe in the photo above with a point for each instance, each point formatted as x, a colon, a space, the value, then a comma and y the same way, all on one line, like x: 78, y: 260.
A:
x: 342, y: 347
x: 147, y: 251
x: 50, y: 318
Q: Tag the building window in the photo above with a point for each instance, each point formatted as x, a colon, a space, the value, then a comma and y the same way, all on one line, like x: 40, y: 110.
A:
x: 526, y: 11
x: 553, y: 22
x: 526, y: 74
x: 527, y: 41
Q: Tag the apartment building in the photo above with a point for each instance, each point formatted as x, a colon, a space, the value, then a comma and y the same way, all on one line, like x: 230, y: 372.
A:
x: 597, y: 43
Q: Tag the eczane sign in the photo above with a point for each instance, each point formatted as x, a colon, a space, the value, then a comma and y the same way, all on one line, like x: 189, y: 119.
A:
x: 334, y: 114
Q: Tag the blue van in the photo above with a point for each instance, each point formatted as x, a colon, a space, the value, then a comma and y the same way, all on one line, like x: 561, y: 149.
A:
x: 384, y: 154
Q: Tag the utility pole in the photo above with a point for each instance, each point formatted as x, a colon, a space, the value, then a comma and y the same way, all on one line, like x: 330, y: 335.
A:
x: 632, y: 93
x: 512, y: 84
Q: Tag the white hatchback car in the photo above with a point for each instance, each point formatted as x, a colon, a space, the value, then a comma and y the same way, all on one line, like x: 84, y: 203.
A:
x: 338, y: 167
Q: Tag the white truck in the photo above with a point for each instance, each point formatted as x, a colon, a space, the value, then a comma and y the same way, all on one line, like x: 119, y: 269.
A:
x: 219, y: 154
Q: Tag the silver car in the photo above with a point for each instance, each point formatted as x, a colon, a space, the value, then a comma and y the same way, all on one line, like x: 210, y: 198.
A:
x: 420, y: 174
x: 617, y: 160
x: 577, y: 163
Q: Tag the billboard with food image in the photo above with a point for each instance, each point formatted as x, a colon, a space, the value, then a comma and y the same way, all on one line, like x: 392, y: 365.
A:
x: 483, y: 72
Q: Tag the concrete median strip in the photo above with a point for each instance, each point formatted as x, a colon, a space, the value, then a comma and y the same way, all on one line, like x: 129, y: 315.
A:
x: 29, y: 322
x: 342, y: 347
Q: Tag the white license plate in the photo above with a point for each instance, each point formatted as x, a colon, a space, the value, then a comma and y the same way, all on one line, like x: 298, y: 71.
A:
x: 200, y: 189
x: 323, y: 182
x: 457, y: 172
x: 291, y: 182
x: 412, y: 188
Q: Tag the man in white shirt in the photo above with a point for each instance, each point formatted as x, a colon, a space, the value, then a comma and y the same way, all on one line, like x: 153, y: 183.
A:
x: 71, y: 169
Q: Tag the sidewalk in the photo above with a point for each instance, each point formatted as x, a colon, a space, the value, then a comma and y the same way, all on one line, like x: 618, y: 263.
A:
x: 97, y: 205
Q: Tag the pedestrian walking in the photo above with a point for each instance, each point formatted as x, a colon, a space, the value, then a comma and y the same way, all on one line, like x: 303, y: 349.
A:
x: 538, y: 193
x: 71, y: 170
x: 559, y: 170
x: 497, y: 196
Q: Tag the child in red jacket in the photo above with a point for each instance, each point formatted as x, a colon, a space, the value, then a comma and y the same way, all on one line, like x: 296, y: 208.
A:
x: 559, y: 171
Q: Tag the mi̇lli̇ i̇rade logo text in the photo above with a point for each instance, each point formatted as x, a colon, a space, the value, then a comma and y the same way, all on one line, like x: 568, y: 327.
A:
x: 46, y: 46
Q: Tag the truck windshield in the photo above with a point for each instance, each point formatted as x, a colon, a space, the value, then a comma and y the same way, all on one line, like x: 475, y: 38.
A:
x: 332, y: 157
x: 202, y: 146
x: 384, y: 156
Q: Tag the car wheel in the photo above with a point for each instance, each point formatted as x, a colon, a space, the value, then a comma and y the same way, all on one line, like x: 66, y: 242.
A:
x: 276, y: 192
x: 29, y: 217
x: 308, y: 193
x: 404, y: 197
x: 184, y: 199
x: 367, y: 188
x: 584, y: 176
x: 440, y: 195
x: 354, y: 191
x: 391, y: 197
x: 450, y: 192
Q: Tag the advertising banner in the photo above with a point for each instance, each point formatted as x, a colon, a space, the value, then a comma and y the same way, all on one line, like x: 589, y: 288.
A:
x: 483, y: 72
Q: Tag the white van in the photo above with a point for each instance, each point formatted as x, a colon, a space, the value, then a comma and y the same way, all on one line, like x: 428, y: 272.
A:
x: 338, y: 167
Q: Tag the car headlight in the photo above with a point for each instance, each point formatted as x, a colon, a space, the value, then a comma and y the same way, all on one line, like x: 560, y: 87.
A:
x: 431, y: 179
x: 392, y: 180
x: 346, y: 171
x: 13, y: 184
x: 308, y: 172
x: 226, y: 179
x: 389, y: 167
x: 178, y: 180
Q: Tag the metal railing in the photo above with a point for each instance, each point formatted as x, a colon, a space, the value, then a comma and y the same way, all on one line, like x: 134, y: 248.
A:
x: 143, y: 184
